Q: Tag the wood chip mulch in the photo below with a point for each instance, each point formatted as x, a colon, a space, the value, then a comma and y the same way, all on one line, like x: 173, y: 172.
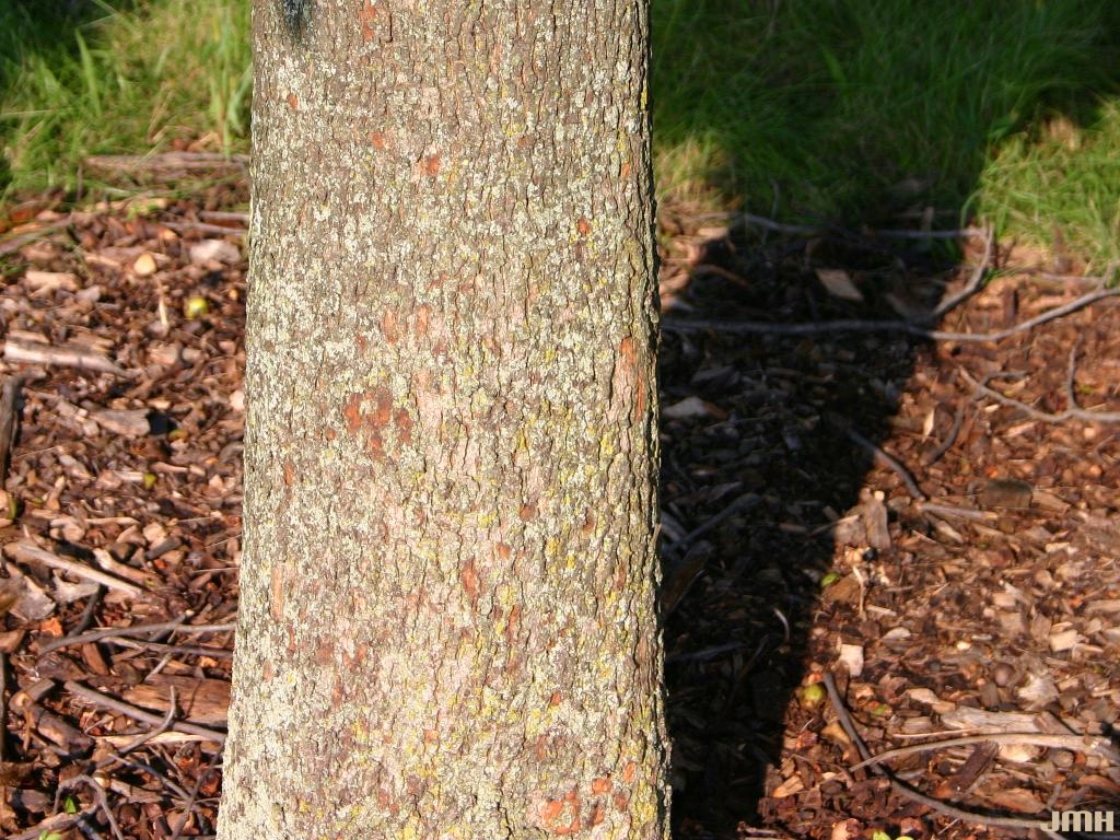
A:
x: 874, y: 542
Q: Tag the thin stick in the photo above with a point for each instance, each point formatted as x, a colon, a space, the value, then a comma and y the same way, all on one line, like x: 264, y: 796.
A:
x: 864, y: 326
x: 188, y: 806
x: 34, y: 353
x: 810, y: 230
x: 56, y: 824
x: 910, y: 793
x: 963, y: 513
x: 3, y: 704
x: 1073, y: 412
x: 96, y: 698
x: 8, y: 397
x: 168, y: 720
x: 187, y: 161
x: 136, y: 630
x: 26, y: 552
x: 950, y: 439
x: 1077, y: 743
x: 974, y: 282
x: 87, y: 614
x: 17, y: 242
x: 889, y: 460
x: 203, y: 227
x: 185, y: 650
x: 98, y: 795
x: 747, y: 500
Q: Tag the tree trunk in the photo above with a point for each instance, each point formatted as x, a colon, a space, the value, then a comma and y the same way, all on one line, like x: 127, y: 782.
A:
x: 448, y: 624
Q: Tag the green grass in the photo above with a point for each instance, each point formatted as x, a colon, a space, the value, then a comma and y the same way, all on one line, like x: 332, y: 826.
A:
x: 86, y: 77
x: 851, y: 111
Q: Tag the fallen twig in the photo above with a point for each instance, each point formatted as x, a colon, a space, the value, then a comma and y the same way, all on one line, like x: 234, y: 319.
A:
x: 188, y: 806
x: 13, y: 244
x: 813, y: 230
x: 974, y: 282
x: 953, y: 510
x: 860, y: 325
x: 889, y: 460
x: 136, y: 630
x: 98, y: 795
x: 950, y: 439
x: 203, y: 227
x: 744, y: 502
x: 34, y: 353
x: 175, y: 162
x: 903, y: 789
x: 104, y: 701
x: 56, y: 824
x: 1072, y: 412
x: 8, y: 397
x: 165, y: 726
x: 1076, y: 743
x: 24, y: 551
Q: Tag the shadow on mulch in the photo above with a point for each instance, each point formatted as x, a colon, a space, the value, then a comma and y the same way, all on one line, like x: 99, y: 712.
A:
x: 762, y: 430
x: 969, y: 579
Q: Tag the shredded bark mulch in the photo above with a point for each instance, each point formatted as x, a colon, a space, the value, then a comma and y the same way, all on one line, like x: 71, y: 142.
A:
x: 880, y: 542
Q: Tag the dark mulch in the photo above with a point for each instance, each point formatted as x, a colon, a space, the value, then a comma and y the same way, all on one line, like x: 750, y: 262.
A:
x: 972, y: 585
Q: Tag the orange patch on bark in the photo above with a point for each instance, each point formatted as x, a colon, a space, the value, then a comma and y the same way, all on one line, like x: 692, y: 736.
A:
x: 504, y: 551
x: 471, y: 581
x: 629, y: 378
x: 377, y: 138
x: 337, y: 694
x: 390, y: 327
x: 276, y: 592
x: 601, y: 785
x: 583, y: 226
x: 353, y: 413
x: 527, y: 513
x: 404, y: 426
x: 561, y: 816
x: 555, y: 699
x: 423, y: 320
x: 354, y: 660
x: 293, y: 101
x: 384, y: 409
x: 367, y: 15
x: 289, y: 473
x: 431, y: 165
x: 372, y: 419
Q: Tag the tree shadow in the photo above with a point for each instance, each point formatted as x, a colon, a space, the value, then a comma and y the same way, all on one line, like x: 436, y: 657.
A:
x: 759, y: 455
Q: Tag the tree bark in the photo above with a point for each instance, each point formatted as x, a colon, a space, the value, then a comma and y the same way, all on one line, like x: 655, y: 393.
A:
x: 448, y: 624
